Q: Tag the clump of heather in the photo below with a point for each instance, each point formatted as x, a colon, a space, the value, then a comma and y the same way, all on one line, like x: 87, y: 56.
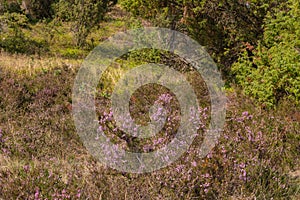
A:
x: 246, y: 161
x: 42, y: 157
x: 162, y: 112
x: 253, y: 156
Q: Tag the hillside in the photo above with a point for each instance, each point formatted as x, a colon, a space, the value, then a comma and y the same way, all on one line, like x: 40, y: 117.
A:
x: 43, y: 157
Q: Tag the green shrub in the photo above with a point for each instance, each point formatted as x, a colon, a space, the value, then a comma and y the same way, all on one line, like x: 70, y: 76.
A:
x: 219, y: 25
x: 22, y: 44
x: 10, y: 6
x: 13, y: 20
x: 73, y: 53
x: 40, y: 9
x: 273, y: 71
x: 12, y: 37
x: 85, y: 16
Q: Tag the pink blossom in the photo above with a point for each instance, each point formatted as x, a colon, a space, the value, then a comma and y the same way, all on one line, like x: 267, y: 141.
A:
x: 194, y: 163
x: 36, y: 195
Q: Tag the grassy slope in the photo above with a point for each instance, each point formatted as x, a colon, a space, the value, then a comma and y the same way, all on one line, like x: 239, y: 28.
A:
x: 41, y: 156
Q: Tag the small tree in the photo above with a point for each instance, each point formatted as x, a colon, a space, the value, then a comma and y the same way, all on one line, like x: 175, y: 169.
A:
x: 85, y: 15
x: 272, y: 72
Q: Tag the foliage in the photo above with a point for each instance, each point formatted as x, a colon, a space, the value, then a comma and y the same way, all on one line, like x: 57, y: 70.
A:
x: 220, y: 26
x: 34, y: 9
x: 39, y: 9
x: 72, y: 53
x: 272, y: 72
x: 13, y: 39
x: 10, y: 6
x: 85, y: 16
x: 13, y: 20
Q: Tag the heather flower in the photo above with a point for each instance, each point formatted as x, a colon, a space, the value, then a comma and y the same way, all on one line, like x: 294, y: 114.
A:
x: 1, y: 137
x: 243, y: 175
x: 209, y: 155
x: 223, y: 150
x: 26, y: 168
x: 206, y: 175
x: 78, y: 195
x: 158, y: 141
x: 147, y: 148
x: 259, y: 136
x: 179, y: 168
x: 50, y: 174
x: 206, y: 186
x: 194, y: 163
x: 245, y: 114
x: 100, y: 128
x: 250, y: 134
x: 36, y: 195
x: 242, y: 165
x: 165, y: 98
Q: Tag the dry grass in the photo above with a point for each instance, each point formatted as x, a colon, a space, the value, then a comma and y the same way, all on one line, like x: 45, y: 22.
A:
x: 30, y: 65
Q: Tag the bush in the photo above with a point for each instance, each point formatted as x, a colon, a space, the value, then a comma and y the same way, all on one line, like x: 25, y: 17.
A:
x: 221, y: 26
x: 272, y: 70
x: 12, y: 37
x: 22, y: 44
x: 10, y: 6
x: 39, y: 9
x: 85, y: 15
